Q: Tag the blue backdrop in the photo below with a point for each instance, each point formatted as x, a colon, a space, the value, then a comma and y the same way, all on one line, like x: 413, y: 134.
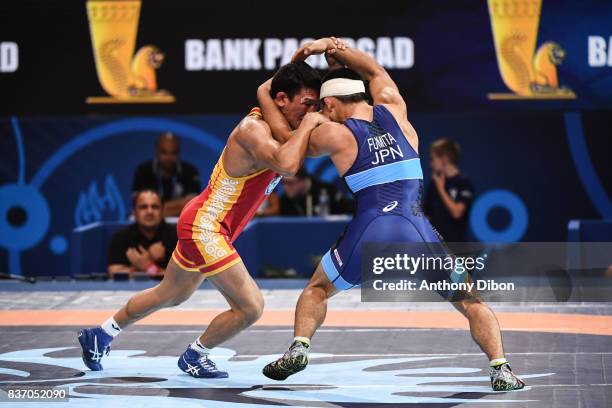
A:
x: 532, y: 173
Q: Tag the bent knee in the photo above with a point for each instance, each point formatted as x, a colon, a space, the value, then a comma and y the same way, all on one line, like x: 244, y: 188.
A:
x: 320, y: 288
x: 252, y: 311
x: 469, y: 305
x: 177, y: 298
x: 252, y: 315
x: 256, y: 310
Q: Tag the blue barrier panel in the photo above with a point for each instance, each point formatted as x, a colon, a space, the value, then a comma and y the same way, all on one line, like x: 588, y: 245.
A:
x: 581, y: 231
x: 279, y: 243
x: 288, y: 242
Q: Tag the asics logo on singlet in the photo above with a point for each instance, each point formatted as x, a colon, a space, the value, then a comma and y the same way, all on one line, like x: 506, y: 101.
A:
x: 272, y: 185
x: 390, y: 207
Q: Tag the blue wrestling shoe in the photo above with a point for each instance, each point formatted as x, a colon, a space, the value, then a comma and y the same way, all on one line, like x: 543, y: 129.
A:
x: 199, y: 366
x: 95, y: 344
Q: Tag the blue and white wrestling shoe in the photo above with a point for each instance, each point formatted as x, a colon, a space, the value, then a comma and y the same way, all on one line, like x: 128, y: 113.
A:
x: 198, y: 365
x: 95, y: 343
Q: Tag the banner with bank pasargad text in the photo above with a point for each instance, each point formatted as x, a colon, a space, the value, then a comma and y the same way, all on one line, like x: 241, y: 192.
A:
x: 132, y: 56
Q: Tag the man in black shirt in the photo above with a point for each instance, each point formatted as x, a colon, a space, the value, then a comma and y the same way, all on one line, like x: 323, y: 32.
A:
x: 176, y: 181
x: 450, y: 195
x: 147, y: 244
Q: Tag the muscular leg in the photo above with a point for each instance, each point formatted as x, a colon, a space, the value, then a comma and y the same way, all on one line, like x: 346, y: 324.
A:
x: 483, y: 326
x: 485, y: 332
x: 176, y: 287
x: 312, y: 305
x: 309, y: 316
x: 246, y: 305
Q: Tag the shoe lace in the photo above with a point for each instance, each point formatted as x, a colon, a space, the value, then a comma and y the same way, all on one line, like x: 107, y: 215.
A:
x: 505, y: 373
x: 207, y: 363
x: 294, y: 351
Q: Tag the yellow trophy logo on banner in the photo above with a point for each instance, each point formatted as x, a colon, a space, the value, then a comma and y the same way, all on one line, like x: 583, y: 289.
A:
x: 530, y: 74
x: 125, y: 76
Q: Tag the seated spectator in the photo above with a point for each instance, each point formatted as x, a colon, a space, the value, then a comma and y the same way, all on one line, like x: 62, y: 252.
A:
x: 176, y: 181
x: 450, y: 195
x: 146, y: 245
x: 305, y: 195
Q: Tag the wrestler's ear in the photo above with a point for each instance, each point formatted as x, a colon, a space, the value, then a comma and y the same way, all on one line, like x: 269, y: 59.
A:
x: 327, y: 103
x: 281, y: 99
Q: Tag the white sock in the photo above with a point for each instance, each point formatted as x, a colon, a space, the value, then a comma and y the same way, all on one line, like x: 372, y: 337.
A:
x: 497, y: 362
x: 197, y: 346
x: 303, y: 340
x: 111, y: 327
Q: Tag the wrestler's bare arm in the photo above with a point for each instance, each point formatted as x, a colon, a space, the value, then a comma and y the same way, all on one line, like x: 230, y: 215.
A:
x: 286, y: 159
x: 334, y: 140
x: 324, y: 140
x: 382, y: 88
x: 274, y: 118
x: 281, y: 130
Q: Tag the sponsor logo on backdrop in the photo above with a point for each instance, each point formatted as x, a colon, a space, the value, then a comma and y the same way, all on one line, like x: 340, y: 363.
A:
x: 125, y: 75
x: 528, y: 73
x: 94, y: 207
x: 9, y: 57
x: 254, y: 54
x: 600, y: 51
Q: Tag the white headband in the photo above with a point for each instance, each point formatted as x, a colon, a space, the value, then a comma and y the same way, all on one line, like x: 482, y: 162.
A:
x: 341, y: 87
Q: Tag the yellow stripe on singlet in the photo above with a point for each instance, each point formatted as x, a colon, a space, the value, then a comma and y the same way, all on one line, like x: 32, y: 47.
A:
x: 256, y: 111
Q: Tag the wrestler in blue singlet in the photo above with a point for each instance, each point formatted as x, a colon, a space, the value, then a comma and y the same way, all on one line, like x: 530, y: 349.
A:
x: 387, y: 182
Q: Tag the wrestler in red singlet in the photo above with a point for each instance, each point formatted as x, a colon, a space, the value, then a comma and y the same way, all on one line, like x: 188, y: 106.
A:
x: 210, y: 223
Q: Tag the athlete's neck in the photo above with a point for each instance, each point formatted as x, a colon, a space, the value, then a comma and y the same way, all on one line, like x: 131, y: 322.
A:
x: 359, y: 110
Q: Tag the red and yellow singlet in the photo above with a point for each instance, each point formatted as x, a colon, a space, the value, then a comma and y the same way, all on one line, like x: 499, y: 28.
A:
x: 210, y: 223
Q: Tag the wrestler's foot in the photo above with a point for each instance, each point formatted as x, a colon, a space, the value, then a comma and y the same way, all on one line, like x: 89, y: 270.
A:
x: 199, y: 366
x: 95, y: 343
x: 293, y: 361
x: 503, y: 379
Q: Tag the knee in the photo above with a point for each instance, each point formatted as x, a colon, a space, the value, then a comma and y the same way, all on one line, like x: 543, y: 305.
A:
x: 312, y: 291
x: 319, y: 290
x: 177, y: 298
x: 470, y: 306
x: 252, y: 311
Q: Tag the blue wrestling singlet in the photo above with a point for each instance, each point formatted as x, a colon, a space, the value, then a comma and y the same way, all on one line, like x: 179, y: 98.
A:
x: 387, y: 182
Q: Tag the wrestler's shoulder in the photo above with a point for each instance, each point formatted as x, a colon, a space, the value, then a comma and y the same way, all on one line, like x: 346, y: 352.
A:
x: 253, y: 125
x: 332, y: 128
x: 331, y: 125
